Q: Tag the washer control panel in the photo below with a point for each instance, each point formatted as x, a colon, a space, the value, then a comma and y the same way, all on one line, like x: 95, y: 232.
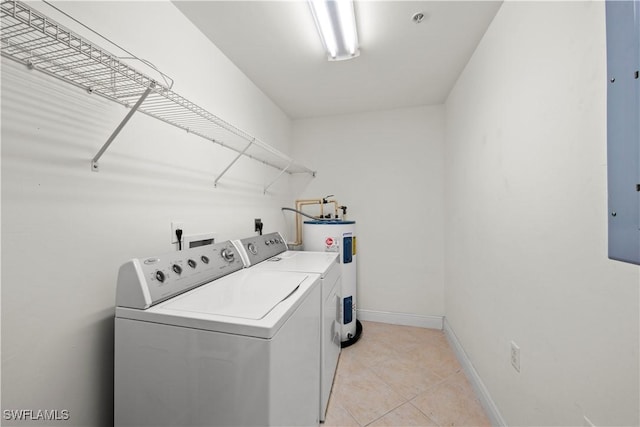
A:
x: 148, y: 281
x: 259, y: 248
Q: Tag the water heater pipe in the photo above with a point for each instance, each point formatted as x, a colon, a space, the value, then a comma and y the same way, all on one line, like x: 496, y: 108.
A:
x: 298, y: 211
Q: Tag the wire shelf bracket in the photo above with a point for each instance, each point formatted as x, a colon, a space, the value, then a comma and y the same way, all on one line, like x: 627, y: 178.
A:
x: 215, y: 183
x: 277, y: 177
x: 94, y: 162
x: 31, y: 38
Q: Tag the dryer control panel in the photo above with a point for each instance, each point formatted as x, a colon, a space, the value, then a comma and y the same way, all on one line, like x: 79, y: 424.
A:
x: 260, y: 248
x: 148, y: 281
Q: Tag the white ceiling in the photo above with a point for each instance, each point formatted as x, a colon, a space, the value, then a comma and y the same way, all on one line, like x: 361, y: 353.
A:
x: 401, y: 64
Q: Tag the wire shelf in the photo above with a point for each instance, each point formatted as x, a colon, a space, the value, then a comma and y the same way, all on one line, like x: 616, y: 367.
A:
x: 31, y: 38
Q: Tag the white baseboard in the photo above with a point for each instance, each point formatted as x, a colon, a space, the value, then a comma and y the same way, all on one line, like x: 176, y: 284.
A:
x: 472, y: 375
x: 432, y: 322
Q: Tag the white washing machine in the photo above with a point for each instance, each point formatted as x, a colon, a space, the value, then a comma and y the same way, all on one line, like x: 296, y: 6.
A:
x: 269, y: 253
x: 200, y: 341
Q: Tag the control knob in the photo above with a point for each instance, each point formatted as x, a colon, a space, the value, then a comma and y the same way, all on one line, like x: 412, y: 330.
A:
x: 227, y: 254
x: 160, y: 276
x: 191, y: 263
x: 252, y: 248
x: 177, y: 269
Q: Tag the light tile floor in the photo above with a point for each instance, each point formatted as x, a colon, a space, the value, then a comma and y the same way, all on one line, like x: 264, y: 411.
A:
x: 401, y: 376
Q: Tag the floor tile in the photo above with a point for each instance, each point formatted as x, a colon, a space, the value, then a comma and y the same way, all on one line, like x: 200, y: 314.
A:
x: 401, y: 376
x: 406, y: 338
x: 370, y: 350
x: 406, y: 375
x: 451, y: 403
x: 365, y: 396
x: 439, y: 360
x: 405, y: 415
x: 337, y: 416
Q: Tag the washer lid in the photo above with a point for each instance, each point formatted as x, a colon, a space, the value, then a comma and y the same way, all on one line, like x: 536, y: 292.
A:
x: 243, y: 296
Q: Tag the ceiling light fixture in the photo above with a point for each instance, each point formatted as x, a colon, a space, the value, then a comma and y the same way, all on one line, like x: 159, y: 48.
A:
x: 336, y: 23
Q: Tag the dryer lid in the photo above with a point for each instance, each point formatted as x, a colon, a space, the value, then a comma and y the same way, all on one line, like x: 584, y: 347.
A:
x: 301, y: 261
x: 246, y: 295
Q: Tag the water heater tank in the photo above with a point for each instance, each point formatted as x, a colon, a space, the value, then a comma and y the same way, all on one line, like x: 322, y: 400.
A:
x: 338, y: 236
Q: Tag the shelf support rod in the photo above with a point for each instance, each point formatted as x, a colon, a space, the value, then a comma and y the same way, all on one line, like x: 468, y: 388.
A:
x: 94, y: 162
x: 278, y: 177
x: 215, y: 183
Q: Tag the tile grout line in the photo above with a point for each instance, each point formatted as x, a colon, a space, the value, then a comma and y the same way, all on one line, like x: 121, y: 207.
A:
x: 406, y: 400
x: 426, y: 415
x: 372, y: 372
x: 385, y: 414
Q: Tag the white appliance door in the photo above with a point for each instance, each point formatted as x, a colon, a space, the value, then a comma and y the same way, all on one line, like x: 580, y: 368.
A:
x: 331, y: 344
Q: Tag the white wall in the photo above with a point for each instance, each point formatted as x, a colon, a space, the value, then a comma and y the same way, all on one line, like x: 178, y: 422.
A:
x: 387, y: 168
x: 66, y: 230
x: 526, y: 223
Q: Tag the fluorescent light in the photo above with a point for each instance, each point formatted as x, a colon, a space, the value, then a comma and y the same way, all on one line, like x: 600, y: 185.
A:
x: 336, y: 24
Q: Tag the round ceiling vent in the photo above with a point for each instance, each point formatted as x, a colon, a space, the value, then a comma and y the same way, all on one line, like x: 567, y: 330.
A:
x: 418, y: 17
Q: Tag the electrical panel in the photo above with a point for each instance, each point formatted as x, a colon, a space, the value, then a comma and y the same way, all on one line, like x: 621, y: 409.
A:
x: 623, y: 129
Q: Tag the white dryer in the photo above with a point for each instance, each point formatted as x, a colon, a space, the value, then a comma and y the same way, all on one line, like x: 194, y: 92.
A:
x: 200, y: 341
x: 269, y: 253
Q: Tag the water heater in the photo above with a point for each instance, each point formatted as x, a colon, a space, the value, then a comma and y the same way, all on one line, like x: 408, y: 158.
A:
x: 338, y: 236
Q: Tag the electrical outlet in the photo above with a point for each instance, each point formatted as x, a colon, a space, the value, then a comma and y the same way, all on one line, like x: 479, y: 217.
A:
x: 257, y: 224
x: 175, y: 225
x: 515, y: 356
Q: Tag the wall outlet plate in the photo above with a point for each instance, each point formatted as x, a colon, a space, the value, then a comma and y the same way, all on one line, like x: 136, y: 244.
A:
x: 176, y: 225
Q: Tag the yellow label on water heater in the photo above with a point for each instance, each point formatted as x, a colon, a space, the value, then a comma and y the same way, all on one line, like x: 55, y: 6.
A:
x: 354, y: 245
